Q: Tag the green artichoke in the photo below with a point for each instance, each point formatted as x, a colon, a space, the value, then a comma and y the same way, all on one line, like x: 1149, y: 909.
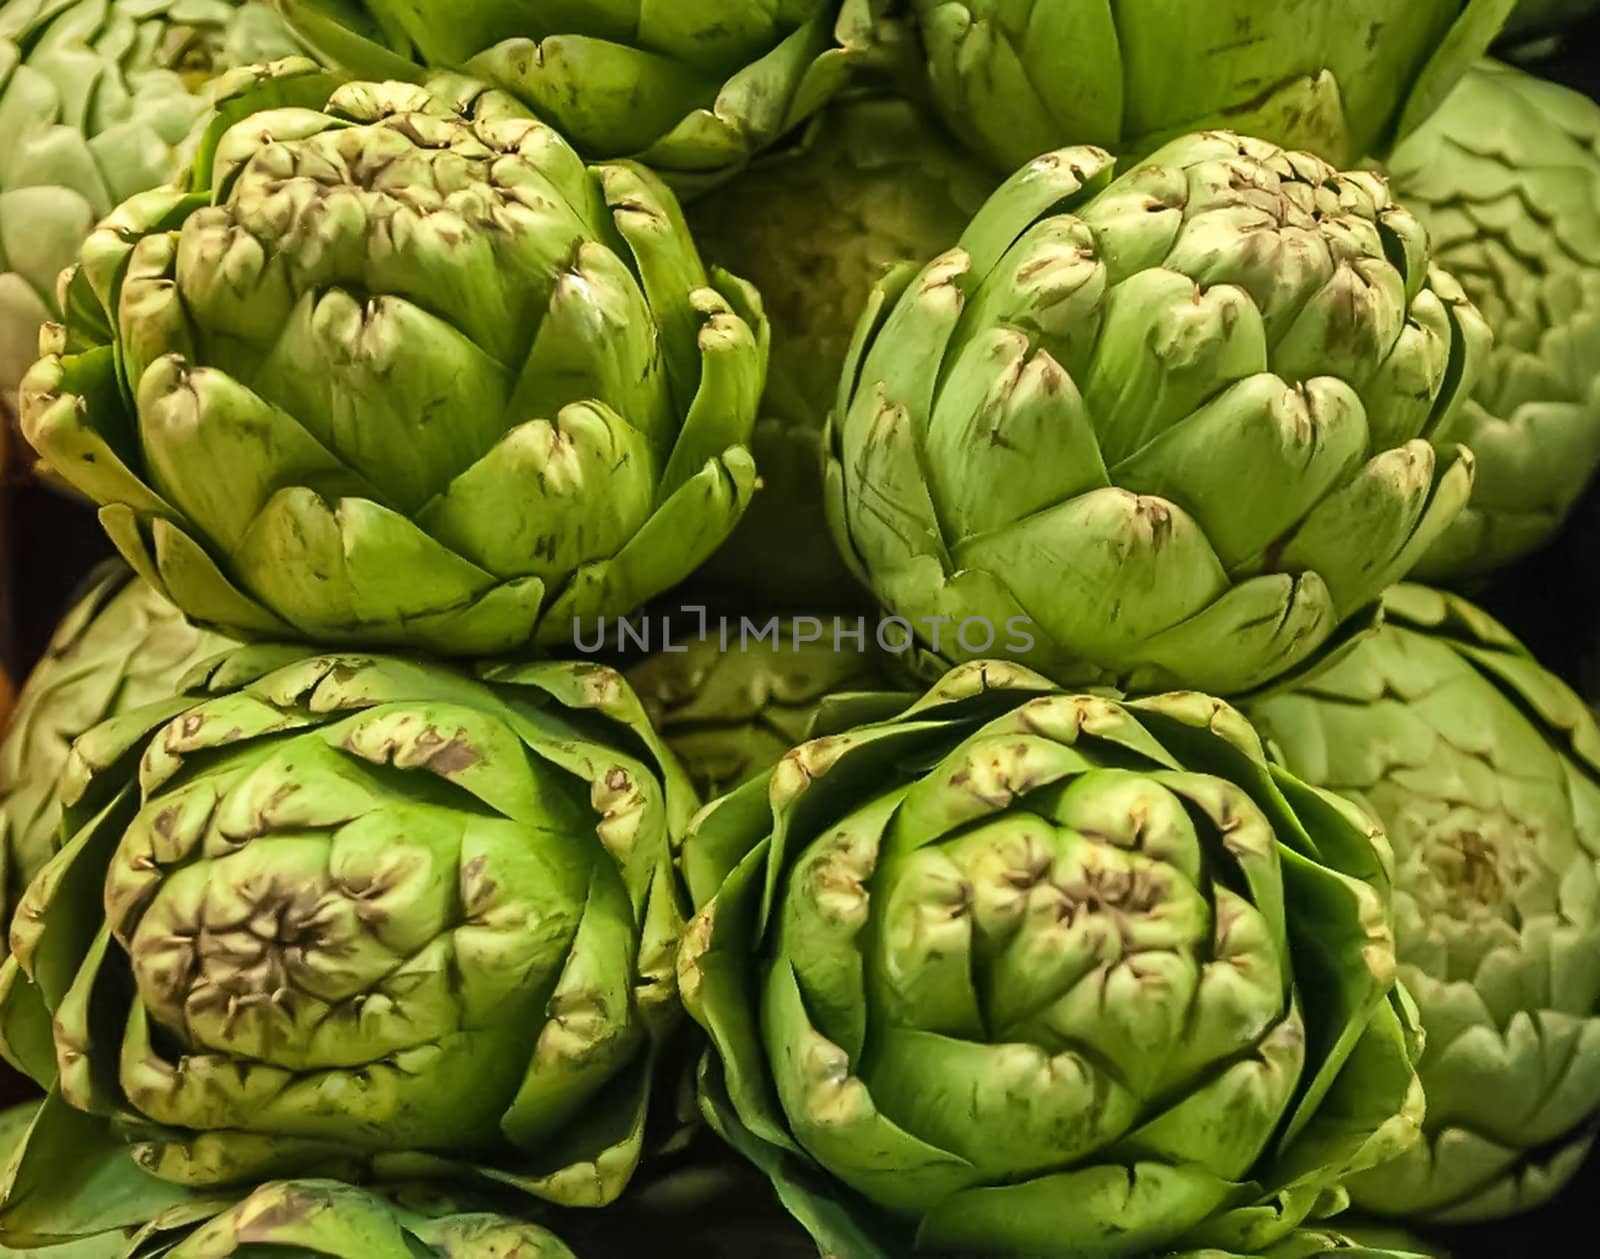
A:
x: 691, y: 89
x: 96, y: 100
x: 402, y: 370
x: 360, y: 916
x: 1341, y: 78
x: 730, y: 712
x: 1485, y: 770
x: 1506, y: 178
x: 872, y: 183
x: 1023, y: 972
x: 122, y: 647
x: 1164, y: 432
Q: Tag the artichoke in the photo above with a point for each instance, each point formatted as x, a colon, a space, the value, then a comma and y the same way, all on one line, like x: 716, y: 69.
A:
x: 731, y: 711
x: 691, y: 89
x: 1169, y: 431
x: 872, y: 183
x: 1485, y: 770
x: 402, y: 371
x: 1506, y: 178
x: 361, y: 916
x: 1025, y: 972
x: 121, y: 648
x: 96, y: 100
x: 1342, y: 78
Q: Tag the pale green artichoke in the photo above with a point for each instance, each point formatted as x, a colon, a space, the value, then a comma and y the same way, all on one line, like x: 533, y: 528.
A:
x: 361, y: 916
x: 402, y: 370
x: 691, y: 88
x: 96, y: 100
x: 1506, y: 178
x: 1167, y: 431
x: 1341, y: 78
x: 1024, y: 972
x: 121, y: 648
x: 872, y: 183
x: 732, y: 710
x: 1485, y: 771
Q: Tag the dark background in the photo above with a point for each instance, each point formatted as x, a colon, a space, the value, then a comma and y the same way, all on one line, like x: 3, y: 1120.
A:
x: 1550, y: 601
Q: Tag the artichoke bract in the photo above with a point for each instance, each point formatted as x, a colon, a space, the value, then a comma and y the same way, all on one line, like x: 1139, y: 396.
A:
x: 1026, y: 972
x: 362, y: 916
x: 1485, y: 771
x: 691, y: 89
x: 1506, y: 178
x: 1341, y: 78
x: 96, y: 101
x: 121, y: 648
x: 731, y: 711
x: 329, y: 1217
x: 402, y: 370
x: 1170, y: 431
x: 874, y: 182
x: 110, y: 1212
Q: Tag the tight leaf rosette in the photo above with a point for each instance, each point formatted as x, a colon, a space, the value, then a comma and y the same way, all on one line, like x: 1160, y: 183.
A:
x: 121, y: 648
x: 691, y: 88
x: 362, y: 916
x: 1485, y: 771
x: 1341, y: 78
x: 872, y: 183
x: 1506, y: 178
x: 1026, y: 972
x: 1176, y: 424
x: 96, y: 100
x: 732, y: 702
x: 402, y: 370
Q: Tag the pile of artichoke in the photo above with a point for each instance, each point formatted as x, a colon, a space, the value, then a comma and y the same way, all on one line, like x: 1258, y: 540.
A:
x: 791, y: 626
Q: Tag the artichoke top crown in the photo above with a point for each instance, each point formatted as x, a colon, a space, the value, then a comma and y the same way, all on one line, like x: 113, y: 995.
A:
x: 365, y: 915
x: 1484, y: 767
x: 1208, y: 386
x: 402, y: 369
x: 1047, y: 974
x: 1484, y: 770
